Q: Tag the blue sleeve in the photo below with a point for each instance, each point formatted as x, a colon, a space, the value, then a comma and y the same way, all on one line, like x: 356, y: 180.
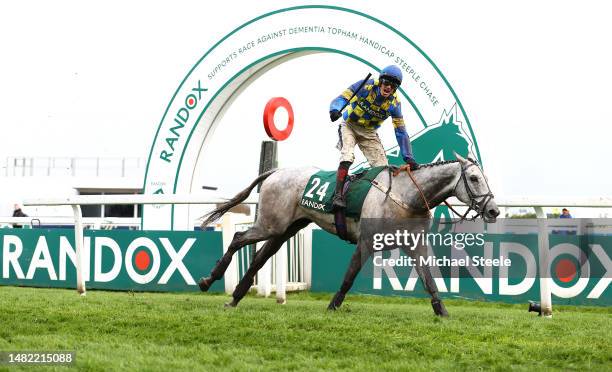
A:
x: 343, y: 98
x: 396, y: 114
x: 403, y: 140
x: 356, y: 85
x: 337, y: 103
x: 396, y: 110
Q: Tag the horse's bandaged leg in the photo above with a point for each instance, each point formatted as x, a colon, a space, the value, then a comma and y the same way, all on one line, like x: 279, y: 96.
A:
x: 359, y: 257
x: 340, y: 222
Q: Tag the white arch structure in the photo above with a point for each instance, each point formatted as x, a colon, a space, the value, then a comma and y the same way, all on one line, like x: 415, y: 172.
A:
x: 257, y: 46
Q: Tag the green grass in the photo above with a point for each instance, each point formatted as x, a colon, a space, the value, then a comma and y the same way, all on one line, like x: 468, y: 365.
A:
x: 153, y: 331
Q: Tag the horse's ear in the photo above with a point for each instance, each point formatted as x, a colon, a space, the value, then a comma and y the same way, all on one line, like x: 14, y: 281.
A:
x: 459, y: 157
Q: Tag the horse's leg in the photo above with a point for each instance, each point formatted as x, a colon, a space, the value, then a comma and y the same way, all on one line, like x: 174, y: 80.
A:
x: 241, y: 238
x: 268, y: 250
x: 427, y: 280
x: 359, y: 257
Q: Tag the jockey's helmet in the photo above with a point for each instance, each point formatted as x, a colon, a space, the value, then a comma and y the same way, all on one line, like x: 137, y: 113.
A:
x: 391, y: 74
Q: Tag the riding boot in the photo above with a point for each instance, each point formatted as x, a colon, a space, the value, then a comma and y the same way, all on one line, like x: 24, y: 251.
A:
x: 338, y: 201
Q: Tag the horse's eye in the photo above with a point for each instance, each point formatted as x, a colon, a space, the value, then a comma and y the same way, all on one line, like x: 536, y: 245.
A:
x: 474, y: 178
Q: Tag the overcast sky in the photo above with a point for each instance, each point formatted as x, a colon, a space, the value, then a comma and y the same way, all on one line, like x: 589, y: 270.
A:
x: 93, y: 78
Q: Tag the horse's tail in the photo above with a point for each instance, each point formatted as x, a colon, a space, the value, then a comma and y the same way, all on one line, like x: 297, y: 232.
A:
x: 239, y: 198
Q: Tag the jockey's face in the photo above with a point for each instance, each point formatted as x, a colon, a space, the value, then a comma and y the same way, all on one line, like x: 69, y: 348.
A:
x: 386, y: 88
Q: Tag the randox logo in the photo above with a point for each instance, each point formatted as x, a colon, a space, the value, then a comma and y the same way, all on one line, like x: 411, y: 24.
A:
x: 574, y: 271
x: 142, y: 259
x: 180, y: 119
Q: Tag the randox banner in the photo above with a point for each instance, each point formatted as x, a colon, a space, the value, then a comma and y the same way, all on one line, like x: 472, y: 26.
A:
x: 113, y: 259
x: 467, y: 261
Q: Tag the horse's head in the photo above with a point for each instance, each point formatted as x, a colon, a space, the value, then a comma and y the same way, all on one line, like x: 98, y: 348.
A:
x: 473, y: 189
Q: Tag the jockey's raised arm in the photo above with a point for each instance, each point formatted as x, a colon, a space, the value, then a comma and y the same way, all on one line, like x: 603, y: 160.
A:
x: 341, y: 101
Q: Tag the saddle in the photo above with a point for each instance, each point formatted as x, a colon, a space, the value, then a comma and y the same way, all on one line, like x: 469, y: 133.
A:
x: 341, y: 213
x: 318, y: 194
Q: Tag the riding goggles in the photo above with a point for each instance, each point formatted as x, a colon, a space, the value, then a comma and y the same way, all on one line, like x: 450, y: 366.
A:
x: 385, y: 81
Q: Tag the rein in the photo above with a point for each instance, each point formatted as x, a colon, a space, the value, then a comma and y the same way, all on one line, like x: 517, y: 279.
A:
x: 406, y: 168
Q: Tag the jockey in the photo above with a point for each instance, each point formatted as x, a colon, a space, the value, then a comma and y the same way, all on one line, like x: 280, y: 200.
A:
x: 367, y: 110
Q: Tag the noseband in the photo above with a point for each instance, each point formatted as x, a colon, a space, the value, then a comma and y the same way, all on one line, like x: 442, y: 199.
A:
x: 478, y: 203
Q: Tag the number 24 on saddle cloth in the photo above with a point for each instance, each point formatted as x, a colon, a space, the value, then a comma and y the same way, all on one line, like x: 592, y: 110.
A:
x: 319, y: 191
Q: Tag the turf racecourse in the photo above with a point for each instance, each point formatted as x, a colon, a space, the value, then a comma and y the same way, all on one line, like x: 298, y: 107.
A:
x: 153, y: 331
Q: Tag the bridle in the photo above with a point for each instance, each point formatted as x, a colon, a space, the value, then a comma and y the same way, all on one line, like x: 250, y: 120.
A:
x: 478, y: 203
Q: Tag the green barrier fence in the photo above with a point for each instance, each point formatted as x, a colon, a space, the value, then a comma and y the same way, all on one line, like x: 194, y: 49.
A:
x: 114, y: 259
x: 173, y: 261
x: 578, y: 264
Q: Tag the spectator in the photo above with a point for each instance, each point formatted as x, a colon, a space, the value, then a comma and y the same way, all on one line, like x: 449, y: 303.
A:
x: 18, y: 212
x: 565, y: 213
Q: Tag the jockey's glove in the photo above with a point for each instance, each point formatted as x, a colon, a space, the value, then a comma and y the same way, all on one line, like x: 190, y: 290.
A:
x: 413, y: 164
x: 334, y: 115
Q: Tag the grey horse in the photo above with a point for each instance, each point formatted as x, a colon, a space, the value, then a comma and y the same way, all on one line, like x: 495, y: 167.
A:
x: 280, y: 216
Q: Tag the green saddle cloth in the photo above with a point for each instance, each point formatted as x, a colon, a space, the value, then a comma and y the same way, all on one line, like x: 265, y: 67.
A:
x: 319, y: 191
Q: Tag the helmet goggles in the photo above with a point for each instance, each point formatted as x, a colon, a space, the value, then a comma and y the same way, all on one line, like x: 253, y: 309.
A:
x: 387, y: 80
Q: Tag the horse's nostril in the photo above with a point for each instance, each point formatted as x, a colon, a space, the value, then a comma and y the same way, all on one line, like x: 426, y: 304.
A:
x: 494, y: 212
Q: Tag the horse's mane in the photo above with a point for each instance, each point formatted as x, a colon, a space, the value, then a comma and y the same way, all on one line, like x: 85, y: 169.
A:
x: 429, y: 165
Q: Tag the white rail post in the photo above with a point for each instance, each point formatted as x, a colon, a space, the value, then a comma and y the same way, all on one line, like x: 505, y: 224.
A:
x: 78, y: 243
x: 543, y: 249
x: 308, y: 255
x: 231, y: 274
x: 281, y: 275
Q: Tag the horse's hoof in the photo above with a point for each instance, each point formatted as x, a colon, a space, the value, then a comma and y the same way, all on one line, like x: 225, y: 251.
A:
x: 333, y: 306
x: 336, y: 302
x: 229, y: 305
x: 204, y: 284
x: 439, y: 308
